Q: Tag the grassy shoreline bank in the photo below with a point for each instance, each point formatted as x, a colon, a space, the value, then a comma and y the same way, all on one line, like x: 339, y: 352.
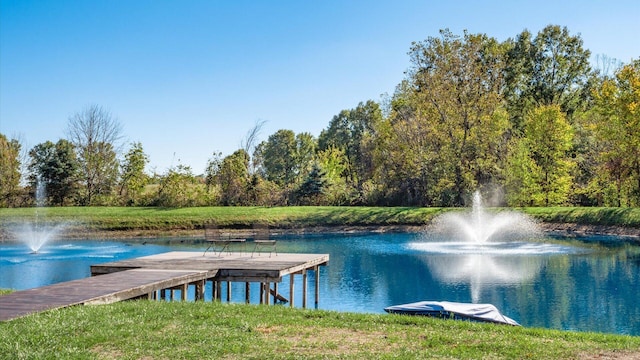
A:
x: 149, y: 222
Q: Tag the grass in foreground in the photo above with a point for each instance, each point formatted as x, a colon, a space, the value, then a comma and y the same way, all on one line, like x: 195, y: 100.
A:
x: 179, y: 330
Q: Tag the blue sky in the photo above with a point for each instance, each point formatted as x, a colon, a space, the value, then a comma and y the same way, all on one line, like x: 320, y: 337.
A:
x: 190, y: 78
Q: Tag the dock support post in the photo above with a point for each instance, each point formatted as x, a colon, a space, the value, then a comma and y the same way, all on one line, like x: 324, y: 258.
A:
x: 247, y: 292
x: 267, y: 292
x: 218, y: 290
x: 228, y: 291
x: 163, y: 294
x: 199, y: 290
x: 317, y: 283
x: 275, y: 293
x: 291, y: 288
x: 304, y: 288
x: 183, y: 293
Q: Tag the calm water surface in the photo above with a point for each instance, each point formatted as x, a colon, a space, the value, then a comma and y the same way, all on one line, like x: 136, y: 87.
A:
x: 587, y: 284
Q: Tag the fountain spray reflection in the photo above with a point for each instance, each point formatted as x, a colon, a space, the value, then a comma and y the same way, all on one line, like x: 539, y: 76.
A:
x: 480, y: 270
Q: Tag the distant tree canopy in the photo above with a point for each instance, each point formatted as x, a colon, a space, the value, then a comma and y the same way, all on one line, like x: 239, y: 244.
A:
x: 56, y: 167
x: 527, y: 116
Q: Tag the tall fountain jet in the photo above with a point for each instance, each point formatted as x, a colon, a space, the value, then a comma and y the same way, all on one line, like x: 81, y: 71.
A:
x: 38, y: 233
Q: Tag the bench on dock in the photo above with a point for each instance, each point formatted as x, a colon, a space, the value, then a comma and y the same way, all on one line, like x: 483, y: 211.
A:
x: 261, y: 240
x: 217, y: 238
x: 222, y: 241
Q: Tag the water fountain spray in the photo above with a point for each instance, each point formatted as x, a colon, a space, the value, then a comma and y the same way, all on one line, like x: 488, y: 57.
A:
x: 38, y: 233
x: 479, y: 226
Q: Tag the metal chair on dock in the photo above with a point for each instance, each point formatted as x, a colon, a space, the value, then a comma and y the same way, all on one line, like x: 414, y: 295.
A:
x: 261, y: 239
x: 216, y: 238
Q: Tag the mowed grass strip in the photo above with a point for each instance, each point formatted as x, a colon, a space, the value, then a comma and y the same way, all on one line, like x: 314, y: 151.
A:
x: 626, y: 217
x: 167, y: 219
x: 153, y: 218
x: 180, y: 330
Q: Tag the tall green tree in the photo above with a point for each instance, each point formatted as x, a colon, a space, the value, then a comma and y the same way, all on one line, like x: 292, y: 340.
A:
x: 96, y: 135
x: 57, y: 167
x: 541, y: 161
x: 456, y: 100
x: 211, y: 171
x: 333, y: 163
x: 9, y: 171
x: 551, y: 68
x: 588, y: 179
x: 233, y: 178
x: 280, y: 158
x: 523, y: 179
x: 618, y: 129
x: 133, y: 179
x: 411, y: 169
x: 306, y: 146
x: 311, y: 190
x: 354, y: 132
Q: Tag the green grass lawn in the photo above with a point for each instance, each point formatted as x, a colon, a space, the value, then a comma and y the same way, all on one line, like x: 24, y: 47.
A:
x: 188, y: 330
x: 165, y: 219
x: 152, y: 218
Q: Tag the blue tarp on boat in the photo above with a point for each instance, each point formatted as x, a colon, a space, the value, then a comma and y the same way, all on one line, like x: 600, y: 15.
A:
x: 453, y: 310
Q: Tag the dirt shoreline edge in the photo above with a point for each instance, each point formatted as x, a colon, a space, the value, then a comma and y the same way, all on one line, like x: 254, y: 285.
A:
x: 560, y: 229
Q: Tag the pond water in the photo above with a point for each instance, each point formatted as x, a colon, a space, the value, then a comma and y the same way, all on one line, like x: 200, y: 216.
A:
x: 585, y: 284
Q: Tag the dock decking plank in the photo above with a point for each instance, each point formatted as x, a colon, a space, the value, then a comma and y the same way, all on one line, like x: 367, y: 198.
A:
x: 230, y: 267
x: 93, y: 290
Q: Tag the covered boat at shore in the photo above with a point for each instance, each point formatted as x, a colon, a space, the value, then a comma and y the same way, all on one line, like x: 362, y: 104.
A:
x: 453, y: 310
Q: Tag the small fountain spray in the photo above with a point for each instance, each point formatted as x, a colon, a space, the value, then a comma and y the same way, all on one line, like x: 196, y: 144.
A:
x: 479, y: 226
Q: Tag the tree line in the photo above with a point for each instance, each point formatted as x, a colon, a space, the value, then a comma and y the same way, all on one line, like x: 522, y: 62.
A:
x: 528, y: 117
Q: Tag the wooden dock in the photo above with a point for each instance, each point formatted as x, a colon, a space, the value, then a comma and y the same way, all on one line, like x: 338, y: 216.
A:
x: 151, y: 276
